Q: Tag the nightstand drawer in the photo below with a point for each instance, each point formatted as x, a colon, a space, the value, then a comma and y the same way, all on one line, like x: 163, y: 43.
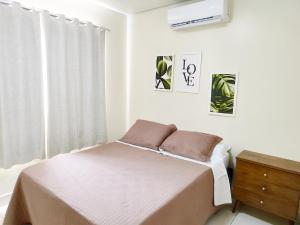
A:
x: 279, y: 207
x: 269, y: 190
x: 260, y: 174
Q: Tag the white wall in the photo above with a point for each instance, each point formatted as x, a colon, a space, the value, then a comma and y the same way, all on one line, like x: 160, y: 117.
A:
x: 261, y: 43
x: 85, y: 10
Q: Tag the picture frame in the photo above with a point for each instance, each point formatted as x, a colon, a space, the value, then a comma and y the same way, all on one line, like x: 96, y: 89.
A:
x: 223, y: 94
x: 164, y: 72
x: 188, y: 72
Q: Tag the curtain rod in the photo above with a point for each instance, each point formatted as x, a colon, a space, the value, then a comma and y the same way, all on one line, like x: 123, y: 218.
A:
x: 6, y: 2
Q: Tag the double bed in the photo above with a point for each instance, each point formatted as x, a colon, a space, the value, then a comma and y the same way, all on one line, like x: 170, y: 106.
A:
x: 117, y: 184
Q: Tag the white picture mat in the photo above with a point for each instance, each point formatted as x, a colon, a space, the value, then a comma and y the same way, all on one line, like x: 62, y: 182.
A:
x: 173, y: 75
x: 235, y: 95
x: 179, y: 81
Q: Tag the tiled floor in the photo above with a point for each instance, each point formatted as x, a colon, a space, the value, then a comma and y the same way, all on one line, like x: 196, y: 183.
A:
x: 245, y: 216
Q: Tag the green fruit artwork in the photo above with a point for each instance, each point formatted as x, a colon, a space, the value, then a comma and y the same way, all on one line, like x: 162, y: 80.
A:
x: 164, y: 73
x: 223, y: 94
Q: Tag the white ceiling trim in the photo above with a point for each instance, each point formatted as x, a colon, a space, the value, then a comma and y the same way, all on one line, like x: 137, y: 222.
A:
x: 129, y: 7
x: 107, y: 6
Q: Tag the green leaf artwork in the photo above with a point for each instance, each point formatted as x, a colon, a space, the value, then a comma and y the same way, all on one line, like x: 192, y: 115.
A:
x: 223, y: 91
x: 164, y: 73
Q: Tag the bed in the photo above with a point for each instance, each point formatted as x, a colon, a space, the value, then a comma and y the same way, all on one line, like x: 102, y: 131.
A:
x: 156, y: 175
x: 111, y: 185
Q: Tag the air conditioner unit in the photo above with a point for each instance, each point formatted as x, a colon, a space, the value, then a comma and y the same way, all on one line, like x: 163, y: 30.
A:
x: 199, y: 13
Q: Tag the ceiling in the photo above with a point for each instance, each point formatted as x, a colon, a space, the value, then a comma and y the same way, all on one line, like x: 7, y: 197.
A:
x: 135, y: 6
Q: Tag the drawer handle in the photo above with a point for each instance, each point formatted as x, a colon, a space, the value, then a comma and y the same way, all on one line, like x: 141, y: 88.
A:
x: 263, y: 188
x: 261, y: 202
x: 265, y: 175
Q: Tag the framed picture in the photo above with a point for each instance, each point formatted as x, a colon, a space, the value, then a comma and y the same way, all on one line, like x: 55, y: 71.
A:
x: 223, y: 94
x: 188, y: 71
x: 164, y: 72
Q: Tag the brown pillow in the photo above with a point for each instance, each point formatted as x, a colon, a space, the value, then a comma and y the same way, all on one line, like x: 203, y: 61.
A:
x: 148, y: 134
x: 192, y: 145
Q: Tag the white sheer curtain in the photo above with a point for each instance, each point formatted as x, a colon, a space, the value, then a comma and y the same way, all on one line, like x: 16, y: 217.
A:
x: 21, y: 99
x: 76, y: 87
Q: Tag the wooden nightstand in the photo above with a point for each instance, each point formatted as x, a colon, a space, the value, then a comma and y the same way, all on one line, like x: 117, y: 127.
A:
x: 268, y: 183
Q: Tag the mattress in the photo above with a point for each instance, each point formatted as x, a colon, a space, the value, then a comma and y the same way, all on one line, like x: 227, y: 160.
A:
x: 112, y: 185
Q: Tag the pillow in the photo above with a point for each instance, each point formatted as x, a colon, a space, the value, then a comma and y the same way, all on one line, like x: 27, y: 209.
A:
x: 194, y: 145
x: 221, y: 149
x: 220, y: 152
x: 148, y: 134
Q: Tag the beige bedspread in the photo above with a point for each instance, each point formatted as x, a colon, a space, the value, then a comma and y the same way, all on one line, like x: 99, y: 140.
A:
x: 114, y: 184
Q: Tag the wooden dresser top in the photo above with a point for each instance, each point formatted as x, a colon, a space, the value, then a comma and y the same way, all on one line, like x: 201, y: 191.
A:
x: 270, y: 161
